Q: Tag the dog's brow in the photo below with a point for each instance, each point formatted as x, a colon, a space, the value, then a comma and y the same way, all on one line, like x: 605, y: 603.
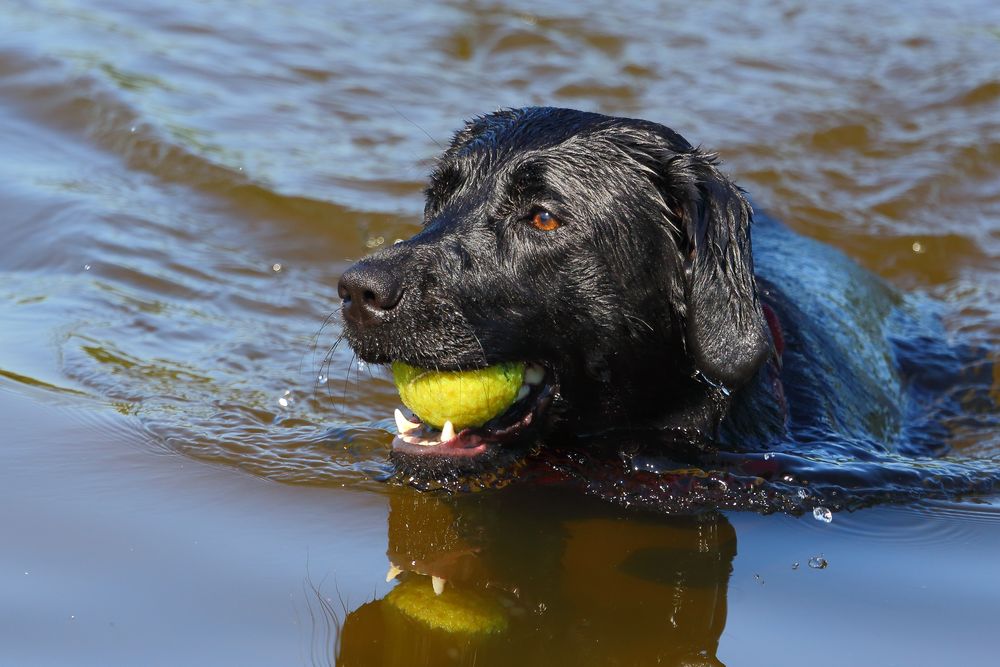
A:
x: 444, y: 177
x: 527, y: 181
x: 528, y: 173
x: 443, y: 182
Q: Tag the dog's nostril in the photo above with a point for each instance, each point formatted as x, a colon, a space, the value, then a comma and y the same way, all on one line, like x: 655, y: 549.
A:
x: 368, y: 291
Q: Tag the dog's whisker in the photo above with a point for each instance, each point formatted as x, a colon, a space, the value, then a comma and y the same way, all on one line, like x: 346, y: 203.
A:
x: 314, y: 340
x: 639, y: 320
x: 347, y: 380
x: 411, y: 122
x: 482, y: 350
x: 326, y: 362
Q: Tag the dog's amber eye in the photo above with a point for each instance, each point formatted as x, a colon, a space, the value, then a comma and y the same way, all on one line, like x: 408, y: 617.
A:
x: 544, y: 221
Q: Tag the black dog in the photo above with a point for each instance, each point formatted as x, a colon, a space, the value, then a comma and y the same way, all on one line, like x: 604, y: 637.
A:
x: 616, y: 257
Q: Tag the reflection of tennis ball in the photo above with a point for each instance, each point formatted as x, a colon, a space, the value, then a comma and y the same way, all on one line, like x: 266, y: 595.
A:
x: 456, y: 611
x: 466, y: 398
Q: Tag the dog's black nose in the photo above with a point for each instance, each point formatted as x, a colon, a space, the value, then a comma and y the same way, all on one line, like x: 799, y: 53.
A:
x: 369, y: 291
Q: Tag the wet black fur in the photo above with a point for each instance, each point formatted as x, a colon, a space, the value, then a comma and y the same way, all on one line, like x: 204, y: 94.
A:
x: 643, y: 301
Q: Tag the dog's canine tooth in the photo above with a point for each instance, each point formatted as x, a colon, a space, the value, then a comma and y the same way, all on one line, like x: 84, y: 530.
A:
x: 522, y: 392
x: 438, y: 584
x: 534, y: 374
x: 392, y: 573
x: 447, y: 431
x: 403, y: 425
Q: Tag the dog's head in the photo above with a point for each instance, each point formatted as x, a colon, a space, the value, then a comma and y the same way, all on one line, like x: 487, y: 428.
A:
x: 608, y: 252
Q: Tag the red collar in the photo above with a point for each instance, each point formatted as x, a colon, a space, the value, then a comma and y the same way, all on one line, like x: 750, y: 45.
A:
x: 775, y: 326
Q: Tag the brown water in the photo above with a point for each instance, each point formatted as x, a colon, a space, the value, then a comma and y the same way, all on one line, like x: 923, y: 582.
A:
x: 187, y: 478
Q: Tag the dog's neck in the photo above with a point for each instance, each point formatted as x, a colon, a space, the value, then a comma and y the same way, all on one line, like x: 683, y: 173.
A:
x: 695, y: 408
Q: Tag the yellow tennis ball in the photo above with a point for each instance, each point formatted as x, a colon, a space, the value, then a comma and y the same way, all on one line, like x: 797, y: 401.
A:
x: 455, y: 611
x: 465, y: 398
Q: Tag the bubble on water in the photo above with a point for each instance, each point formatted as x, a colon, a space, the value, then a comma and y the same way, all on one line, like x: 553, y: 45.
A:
x: 375, y: 241
x: 362, y: 366
x: 322, y: 379
x: 788, y: 478
x: 276, y: 267
x: 822, y: 514
x: 86, y: 267
x: 286, y: 399
x: 918, y: 247
x: 768, y: 456
x: 818, y: 563
x: 795, y: 565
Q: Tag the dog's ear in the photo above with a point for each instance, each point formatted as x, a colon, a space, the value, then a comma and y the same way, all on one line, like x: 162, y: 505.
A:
x: 725, y: 330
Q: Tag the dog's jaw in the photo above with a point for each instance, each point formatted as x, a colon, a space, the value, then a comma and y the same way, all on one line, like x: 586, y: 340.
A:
x: 527, y: 416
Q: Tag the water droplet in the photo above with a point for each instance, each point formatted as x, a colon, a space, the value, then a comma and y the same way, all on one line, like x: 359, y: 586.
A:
x: 760, y: 579
x: 362, y: 366
x: 86, y: 267
x: 132, y: 129
x: 276, y: 267
x: 822, y: 514
x: 802, y: 493
x: 795, y: 565
x: 768, y: 456
x: 818, y: 563
x: 788, y: 478
x: 286, y: 399
x: 322, y: 379
x: 918, y: 247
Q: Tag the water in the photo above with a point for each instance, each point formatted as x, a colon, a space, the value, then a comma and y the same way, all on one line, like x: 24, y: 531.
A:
x: 189, y: 475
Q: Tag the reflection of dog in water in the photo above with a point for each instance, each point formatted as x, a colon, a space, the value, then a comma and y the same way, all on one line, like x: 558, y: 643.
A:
x: 614, y: 259
x: 610, y: 591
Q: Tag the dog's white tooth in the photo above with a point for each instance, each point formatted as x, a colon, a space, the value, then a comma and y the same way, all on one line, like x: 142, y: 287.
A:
x: 522, y: 392
x: 447, y: 431
x: 534, y: 375
x: 403, y: 425
x: 438, y: 584
x: 392, y: 573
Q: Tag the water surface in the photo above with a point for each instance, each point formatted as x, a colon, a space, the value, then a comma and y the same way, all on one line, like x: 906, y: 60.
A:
x: 189, y: 476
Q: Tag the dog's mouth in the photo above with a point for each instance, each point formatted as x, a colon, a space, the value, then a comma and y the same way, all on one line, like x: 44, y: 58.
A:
x: 525, y: 415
